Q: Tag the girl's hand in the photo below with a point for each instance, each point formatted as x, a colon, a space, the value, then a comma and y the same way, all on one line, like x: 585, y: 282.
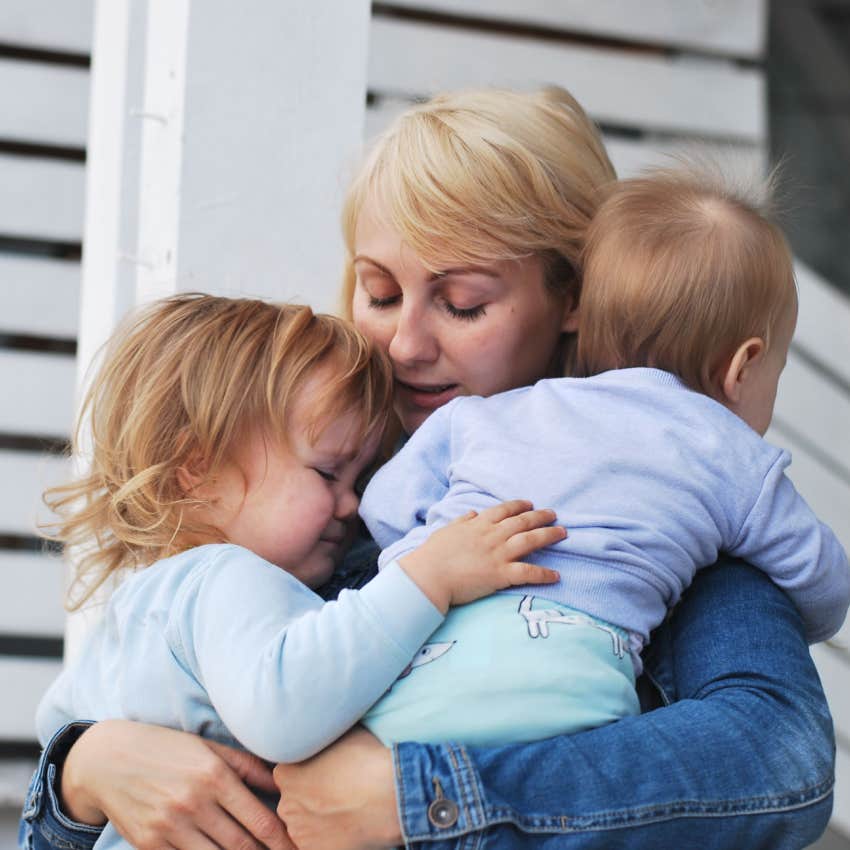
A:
x: 163, y: 788
x: 479, y: 554
x: 343, y: 798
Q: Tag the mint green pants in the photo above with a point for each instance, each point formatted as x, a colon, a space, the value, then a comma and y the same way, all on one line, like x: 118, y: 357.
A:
x: 507, y: 669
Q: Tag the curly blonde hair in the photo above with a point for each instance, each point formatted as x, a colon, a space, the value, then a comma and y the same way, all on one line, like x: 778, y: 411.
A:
x: 181, y: 382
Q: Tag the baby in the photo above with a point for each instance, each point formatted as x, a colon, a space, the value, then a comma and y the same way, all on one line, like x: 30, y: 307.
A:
x: 229, y: 437
x: 654, y: 458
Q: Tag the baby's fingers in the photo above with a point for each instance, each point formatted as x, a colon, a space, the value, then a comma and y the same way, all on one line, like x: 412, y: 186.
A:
x: 524, y: 543
x: 518, y: 572
x: 506, y: 509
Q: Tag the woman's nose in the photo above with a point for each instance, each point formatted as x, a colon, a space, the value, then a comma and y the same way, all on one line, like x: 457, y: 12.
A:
x: 413, y: 341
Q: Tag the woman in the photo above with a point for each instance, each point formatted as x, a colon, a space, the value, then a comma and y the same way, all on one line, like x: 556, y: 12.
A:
x: 464, y: 230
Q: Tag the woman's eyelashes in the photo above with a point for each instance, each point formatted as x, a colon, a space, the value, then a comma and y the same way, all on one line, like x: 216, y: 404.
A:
x: 326, y: 474
x: 464, y: 313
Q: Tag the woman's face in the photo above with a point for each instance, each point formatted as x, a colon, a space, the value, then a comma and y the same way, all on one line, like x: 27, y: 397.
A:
x: 469, y: 330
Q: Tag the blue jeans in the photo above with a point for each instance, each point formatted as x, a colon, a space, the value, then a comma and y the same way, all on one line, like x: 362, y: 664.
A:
x: 740, y: 754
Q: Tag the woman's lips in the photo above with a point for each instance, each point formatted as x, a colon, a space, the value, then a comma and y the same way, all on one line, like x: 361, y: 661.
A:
x: 427, y: 396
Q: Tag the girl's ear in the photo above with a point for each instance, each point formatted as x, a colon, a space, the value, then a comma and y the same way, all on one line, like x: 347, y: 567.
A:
x: 740, y: 369
x: 191, y: 475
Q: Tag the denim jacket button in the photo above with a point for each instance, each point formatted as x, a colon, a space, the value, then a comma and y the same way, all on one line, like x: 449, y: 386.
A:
x: 443, y: 813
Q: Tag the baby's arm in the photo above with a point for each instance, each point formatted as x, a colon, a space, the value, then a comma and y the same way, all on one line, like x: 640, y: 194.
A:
x: 397, y: 499
x: 782, y: 536
x: 288, y: 675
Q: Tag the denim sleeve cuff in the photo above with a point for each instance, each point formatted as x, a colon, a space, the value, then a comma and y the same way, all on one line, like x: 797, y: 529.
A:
x: 439, y: 796
x: 43, y: 823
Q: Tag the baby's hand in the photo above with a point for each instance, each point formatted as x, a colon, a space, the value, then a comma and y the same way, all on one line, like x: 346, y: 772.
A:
x: 479, y: 554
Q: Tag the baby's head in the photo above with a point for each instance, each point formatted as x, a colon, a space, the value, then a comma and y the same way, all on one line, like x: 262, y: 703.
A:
x: 225, y: 420
x: 684, y: 273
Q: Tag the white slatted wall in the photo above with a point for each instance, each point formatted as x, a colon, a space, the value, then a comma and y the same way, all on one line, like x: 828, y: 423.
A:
x: 655, y: 75
x: 43, y: 115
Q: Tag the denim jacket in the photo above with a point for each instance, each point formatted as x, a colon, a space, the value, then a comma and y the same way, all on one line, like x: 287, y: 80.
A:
x: 739, y: 754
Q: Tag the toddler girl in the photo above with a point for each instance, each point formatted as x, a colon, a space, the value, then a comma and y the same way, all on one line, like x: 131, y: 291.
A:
x: 229, y: 437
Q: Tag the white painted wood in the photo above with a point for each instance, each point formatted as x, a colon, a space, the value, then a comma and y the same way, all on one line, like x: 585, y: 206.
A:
x: 41, y: 198
x: 711, y: 98
x: 42, y: 103
x: 823, y: 323
x: 25, y: 475
x: 735, y: 27
x: 39, y: 296
x: 33, y: 588
x: 817, y: 408
x: 47, y: 25
x: 24, y: 681
x: 42, y: 386
x: 268, y: 136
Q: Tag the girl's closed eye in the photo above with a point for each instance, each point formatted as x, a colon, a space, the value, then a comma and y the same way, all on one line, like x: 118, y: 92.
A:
x: 326, y: 474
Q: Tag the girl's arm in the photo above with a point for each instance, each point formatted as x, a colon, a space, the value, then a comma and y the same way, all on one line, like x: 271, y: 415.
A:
x: 742, y: 757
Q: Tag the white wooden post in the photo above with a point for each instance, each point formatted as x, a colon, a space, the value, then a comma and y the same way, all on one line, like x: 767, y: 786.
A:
x: 221, y: 136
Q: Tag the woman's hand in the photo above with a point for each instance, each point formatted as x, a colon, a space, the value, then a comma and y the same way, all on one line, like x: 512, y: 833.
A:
x: 478, y: 554
x: 161, y: 788
x: 343, y: 798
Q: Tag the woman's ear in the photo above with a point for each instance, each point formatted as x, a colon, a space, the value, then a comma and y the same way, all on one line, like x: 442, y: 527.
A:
x: 740, y: 368
x: 569, y: 320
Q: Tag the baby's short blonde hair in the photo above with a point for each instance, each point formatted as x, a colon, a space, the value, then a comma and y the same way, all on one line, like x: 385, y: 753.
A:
x: 486, y: 175
x: 679, y: 270
x: 182, y: 381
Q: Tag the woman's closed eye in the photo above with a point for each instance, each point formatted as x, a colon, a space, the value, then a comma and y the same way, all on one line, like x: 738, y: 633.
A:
x: 468, y: 314
x: 326, y: 474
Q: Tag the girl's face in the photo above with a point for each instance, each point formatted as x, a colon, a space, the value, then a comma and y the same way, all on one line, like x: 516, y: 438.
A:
x: 469, y: 330
x: 293, y: 504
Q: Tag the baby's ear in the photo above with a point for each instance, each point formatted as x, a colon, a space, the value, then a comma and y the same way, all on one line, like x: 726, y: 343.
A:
x: 735, y: 380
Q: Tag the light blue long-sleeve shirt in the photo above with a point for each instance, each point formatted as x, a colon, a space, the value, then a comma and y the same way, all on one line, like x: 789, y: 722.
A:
x: 651, y: 479
x: 219, y: 642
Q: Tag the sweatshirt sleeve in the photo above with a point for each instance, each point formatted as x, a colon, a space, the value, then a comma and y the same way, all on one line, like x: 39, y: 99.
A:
x: 398, y: 497
x: 286, y: 673
x: 782, y: 536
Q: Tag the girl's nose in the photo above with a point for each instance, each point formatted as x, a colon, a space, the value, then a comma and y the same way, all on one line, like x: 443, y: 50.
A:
x: 347, y: 503
x: 413, y: 341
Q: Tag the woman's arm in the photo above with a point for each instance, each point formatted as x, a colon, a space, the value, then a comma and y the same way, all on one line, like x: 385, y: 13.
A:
x: 156, y: 785
x: 742, y: 757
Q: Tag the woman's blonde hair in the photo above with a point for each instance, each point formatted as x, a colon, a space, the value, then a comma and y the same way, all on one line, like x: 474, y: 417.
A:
x: 486, y: 175
x: 680, y: 268
x: 182, y: 381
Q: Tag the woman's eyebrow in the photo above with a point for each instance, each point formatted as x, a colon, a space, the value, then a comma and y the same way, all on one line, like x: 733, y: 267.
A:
x: 362, y: 258
x: 458, y: 271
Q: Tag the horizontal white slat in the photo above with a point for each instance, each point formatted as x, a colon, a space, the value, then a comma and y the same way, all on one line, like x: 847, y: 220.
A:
x: 24, y: 682
x: 24, y: 476
x: 714, y: 98
x: 48, y: 25
x: 46, y: 104
x: 814, y: 406
x: 39, y: 296
x: 41, y: 198
x: 41, y: 386
x: 735, y: 27
x: 33, y: 588
x: 823, y: 324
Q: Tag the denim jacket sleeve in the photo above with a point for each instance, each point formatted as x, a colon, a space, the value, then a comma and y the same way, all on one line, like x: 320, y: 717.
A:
x: 43, y: 824
x: 741, y: 755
